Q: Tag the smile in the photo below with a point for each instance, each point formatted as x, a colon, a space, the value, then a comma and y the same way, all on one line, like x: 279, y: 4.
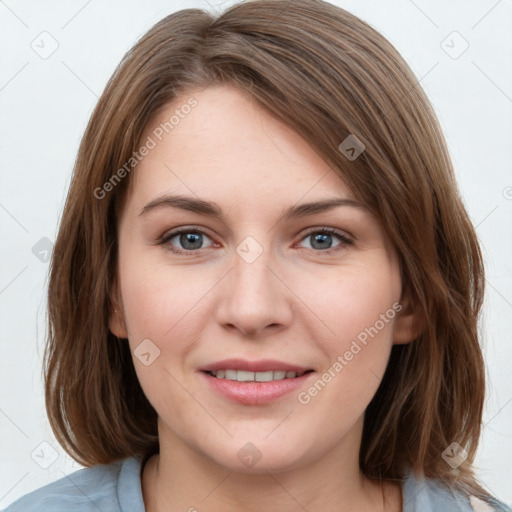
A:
x: 247, y: 376
x: 251, y: 388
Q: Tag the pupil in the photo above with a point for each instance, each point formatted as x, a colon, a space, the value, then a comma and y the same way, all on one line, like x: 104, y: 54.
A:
x: 322, y: 238
x: 191, y: 238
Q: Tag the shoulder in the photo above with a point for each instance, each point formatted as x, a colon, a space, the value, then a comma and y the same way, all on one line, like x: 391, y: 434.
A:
x: 105, y: 487
x: 422, y: 494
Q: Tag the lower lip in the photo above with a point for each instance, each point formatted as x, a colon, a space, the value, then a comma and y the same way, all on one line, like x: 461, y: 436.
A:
x: 255, y: 393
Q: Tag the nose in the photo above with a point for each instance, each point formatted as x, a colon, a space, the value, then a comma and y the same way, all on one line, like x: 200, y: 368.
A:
x: 253, y: 298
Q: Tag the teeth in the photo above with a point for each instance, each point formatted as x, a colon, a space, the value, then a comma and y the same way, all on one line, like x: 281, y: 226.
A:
x: 230, y: 374
x: 264, y: 376
x: 245, y: 376
x: 242, y: 376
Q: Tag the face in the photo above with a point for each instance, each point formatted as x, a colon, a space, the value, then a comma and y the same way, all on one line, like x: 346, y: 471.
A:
x: 314, y: 290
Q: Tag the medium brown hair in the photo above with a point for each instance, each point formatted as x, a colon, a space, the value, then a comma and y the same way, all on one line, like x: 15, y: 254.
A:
x: 327, y: 75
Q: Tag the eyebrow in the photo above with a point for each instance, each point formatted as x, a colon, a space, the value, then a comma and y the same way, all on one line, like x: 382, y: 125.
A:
x: 213, y: 210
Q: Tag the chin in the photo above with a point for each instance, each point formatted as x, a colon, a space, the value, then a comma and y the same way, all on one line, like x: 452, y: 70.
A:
x: 260, y: 455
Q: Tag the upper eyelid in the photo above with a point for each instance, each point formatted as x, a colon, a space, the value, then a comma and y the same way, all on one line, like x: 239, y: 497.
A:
x: 171, y: 233
x: 307, y: 232
x: 330, y: 229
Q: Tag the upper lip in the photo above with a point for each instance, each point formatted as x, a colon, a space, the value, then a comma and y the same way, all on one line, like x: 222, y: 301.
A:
x: 263, y: 365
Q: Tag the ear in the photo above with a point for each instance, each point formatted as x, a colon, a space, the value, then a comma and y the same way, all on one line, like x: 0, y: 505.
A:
x: 117, y: 325
x: 410, y: 322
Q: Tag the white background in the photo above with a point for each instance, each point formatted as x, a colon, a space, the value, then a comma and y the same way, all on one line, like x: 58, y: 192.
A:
x: 46, y: 103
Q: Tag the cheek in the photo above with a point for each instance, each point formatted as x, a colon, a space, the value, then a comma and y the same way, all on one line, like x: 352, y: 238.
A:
x: 357, y: 312
x: 357, y: 299
x: 364, y: 310
x: 163, y: 303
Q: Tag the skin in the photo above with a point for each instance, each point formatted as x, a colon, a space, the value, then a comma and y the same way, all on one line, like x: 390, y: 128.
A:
x: 296, y: 302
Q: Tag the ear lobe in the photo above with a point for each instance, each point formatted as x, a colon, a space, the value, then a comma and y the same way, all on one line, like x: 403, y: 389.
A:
x: 410, y: 323
x: 117, y: 324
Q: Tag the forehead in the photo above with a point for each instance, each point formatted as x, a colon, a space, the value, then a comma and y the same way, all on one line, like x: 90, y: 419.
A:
x: 228, y: 145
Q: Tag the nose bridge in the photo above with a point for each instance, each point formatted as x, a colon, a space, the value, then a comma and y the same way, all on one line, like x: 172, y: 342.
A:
x: 252, y: 280
x: 251, y: 268
x: 253, y: 297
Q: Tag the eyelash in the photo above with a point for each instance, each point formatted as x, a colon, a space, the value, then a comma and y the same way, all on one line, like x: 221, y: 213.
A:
x: 323, y: 230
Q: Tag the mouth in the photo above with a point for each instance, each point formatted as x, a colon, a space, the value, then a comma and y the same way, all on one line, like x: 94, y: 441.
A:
x: 249, y: 376
x: 255, y: 382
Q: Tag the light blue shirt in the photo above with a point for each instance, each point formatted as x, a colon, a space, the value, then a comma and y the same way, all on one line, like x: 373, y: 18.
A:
x: 116, y: 487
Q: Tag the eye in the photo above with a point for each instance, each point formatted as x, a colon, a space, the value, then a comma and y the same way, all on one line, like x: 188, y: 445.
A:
x: 190, y: 239
x: 321, y: 239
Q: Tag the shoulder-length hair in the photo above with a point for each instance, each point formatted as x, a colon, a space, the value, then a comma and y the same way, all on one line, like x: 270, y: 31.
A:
x: 327, y: 75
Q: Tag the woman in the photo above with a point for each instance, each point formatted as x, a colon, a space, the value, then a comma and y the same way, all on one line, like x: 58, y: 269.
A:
x: 265, y: 289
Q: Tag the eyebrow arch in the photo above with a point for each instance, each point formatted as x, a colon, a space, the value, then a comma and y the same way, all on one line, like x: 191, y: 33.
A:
x: 213, y: 210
